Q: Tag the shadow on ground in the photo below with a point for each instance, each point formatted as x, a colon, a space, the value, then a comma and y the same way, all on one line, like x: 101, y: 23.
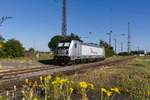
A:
x: 48, y: 62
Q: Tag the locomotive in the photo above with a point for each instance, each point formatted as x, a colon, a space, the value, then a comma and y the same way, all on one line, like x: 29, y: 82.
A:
x: 77, y: 52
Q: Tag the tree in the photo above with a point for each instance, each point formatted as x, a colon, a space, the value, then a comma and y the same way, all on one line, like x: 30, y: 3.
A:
x: 31, y: 50
x: 13, y: 48
x: 1, y: 46
x: 1, y: 49
x: 108, y: 49
x: 54, y: 42
x: 1, y: 38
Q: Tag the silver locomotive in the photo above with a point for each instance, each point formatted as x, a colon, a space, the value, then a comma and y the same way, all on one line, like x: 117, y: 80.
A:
x: 77, y: 52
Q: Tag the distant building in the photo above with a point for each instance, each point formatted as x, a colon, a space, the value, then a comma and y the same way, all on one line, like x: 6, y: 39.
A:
x: 139, y: 52
x: 148, y: 53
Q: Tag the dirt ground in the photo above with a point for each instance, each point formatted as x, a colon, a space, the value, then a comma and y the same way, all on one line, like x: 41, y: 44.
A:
x: 13, y: 63
x: 7, y: 64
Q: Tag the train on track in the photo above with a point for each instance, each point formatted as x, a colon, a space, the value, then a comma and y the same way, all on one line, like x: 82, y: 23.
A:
x: 77, y: 52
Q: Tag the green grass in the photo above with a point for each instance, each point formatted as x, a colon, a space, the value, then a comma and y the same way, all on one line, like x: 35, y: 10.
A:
x: 133, y: 77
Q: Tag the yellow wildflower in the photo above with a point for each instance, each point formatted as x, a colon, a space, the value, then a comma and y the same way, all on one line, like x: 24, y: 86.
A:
x: 23, y: 92
x: 148, y: 93
x: 26, y: 81
x: 72, y: 82
x: 41, y: 78
x: 1, y: 45
x: 13, y: 94
x: 91, y: 86
x: 30, y: 83
x: 54, y: 82
x: 103, y: 90
x: 15, y: 88
x: 115, y: 90
x: 49, y: 77
x: 71, y: 90
x: 1, y: 66
x: 7, y: 93
x: 108, y: 93
x: 23, y: 98
x: 83, y: 84
x: 62, y: 81
x: 35, y: 98
x: 45, y: 79
x: 35, y: 84
x: 58, y: 78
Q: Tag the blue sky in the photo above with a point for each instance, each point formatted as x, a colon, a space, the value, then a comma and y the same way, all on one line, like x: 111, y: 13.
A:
x: 36, y: 21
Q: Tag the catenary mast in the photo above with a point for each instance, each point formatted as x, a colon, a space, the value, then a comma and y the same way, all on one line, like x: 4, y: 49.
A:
x: 64, y: 18
x: 129, y: 38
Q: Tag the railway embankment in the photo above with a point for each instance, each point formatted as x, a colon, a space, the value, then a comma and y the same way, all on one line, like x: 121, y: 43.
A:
x: 17, y: 76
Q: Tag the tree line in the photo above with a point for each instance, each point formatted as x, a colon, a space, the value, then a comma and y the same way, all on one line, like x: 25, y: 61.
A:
x: 12, y: 48
x: 56, y: 39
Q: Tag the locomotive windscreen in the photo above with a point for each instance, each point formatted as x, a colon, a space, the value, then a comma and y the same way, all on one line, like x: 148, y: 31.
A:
x: 63, y: 45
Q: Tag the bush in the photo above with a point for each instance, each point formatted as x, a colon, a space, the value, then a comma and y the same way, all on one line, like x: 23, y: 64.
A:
x: 109, y: 51
x: 123, y: 54
x: 12, y: 48
x: 54, y: 41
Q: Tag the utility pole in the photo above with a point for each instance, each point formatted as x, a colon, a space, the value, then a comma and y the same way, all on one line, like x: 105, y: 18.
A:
x: 129, y: 38
x: 115, y: 45
x: 64, y: 18
x: 121, y: 46
x: 123, y: 35
x: 109, y: 34
x: 109, y: 38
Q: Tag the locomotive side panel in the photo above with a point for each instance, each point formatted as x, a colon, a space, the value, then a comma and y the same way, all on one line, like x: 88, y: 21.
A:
x: 74, y: 50
x: 92, y: 52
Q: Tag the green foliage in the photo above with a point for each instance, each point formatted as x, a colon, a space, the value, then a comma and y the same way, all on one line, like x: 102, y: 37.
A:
x: 1, y: 38
x: 108, y: 49
x: 56, y: 39
x: 31, y: 50
x: 12, y: 48
x: 1, y: 46
x: 124, y: 54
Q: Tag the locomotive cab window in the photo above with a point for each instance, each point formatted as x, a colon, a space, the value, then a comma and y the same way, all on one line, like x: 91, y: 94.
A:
x: 60, y: 44
x: 66, y: 44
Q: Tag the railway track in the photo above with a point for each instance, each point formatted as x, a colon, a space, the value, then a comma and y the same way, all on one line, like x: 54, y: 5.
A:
x: 15, y: 72
x: 16, y: 77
